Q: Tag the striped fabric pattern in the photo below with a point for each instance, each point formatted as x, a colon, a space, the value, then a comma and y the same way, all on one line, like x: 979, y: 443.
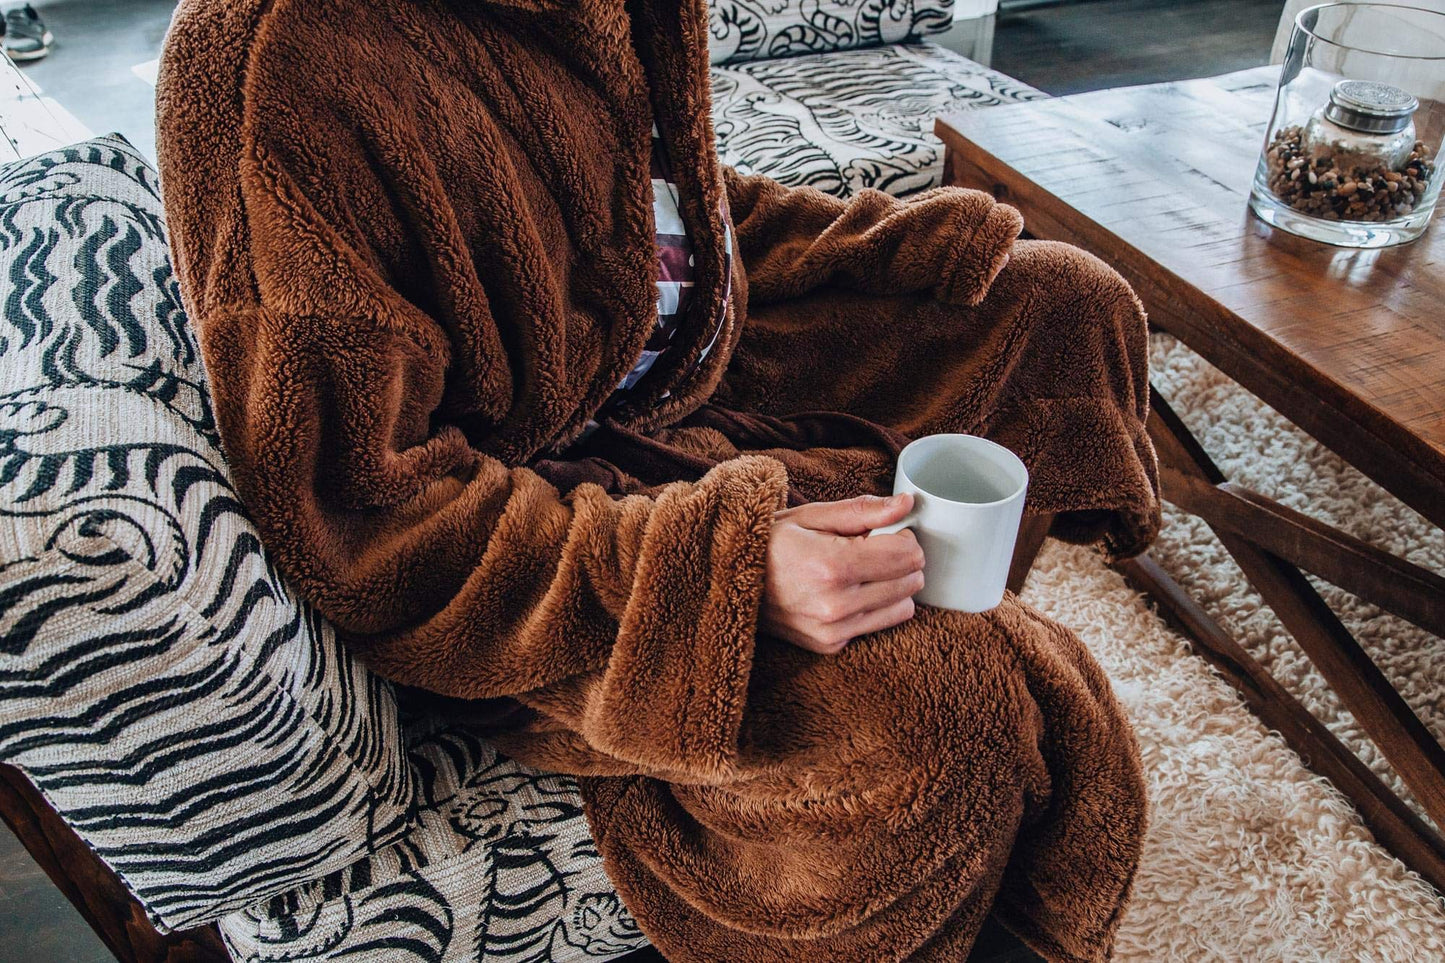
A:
x: 499, y: 868
x: 200, y: 727
x: 159, y: 683
x: 674, y: 264
x: 675, y: 269
x: 764, y: 29
x: 851, y: 119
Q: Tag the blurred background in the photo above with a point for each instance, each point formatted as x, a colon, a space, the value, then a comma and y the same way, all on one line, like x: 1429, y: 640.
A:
x: 99, y: 73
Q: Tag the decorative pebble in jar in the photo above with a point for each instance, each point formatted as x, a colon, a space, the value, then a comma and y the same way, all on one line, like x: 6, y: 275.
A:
x: 1351, y: 153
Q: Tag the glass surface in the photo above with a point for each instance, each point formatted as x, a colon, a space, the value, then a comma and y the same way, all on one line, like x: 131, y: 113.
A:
x: 1344, y: 186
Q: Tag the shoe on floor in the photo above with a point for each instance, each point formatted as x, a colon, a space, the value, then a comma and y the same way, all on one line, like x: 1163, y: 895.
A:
x: 25, y: 35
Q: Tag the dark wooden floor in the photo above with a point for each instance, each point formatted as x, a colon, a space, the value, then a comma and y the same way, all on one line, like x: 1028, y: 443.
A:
x: 1090, y: 45
x: 1060, y: 49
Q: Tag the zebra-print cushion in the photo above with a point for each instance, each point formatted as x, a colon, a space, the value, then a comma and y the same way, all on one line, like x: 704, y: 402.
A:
x: 200, y: 728
x: 851, y: 119
x: 759, y: 29
x: 501, y: 868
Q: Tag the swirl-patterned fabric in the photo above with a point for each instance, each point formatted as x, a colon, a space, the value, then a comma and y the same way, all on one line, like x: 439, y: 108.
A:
x: 158, y: 682
x: 851, y: 119
x: 500, y: 866
x: 760, y: 29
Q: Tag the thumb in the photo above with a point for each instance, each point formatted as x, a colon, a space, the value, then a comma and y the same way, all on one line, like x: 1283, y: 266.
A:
x: 854, y: 516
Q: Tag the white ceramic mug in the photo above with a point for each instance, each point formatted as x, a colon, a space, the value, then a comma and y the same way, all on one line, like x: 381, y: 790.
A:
x: 968, y: 498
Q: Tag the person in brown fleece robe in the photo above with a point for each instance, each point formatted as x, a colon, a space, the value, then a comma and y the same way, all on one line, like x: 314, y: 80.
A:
x: 417, y: 240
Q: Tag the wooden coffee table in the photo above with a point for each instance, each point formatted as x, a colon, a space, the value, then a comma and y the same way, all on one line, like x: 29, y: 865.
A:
x: 1349, y: 345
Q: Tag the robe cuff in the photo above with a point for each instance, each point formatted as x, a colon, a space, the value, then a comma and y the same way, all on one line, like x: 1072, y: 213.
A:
x: 982, y: 249
x: 676, y: 683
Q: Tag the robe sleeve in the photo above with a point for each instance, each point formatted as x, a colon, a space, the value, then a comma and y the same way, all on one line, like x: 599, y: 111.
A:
x: 446, y: 568
x: 948, y: 241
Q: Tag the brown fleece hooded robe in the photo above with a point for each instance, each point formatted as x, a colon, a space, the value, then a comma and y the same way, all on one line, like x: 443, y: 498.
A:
x: 416, y: 238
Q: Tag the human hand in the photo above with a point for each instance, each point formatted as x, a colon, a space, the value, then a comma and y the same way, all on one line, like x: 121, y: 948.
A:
x: 827, y: 582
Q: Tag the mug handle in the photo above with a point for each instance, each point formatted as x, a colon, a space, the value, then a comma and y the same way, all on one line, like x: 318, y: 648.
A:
x: 907, y: 521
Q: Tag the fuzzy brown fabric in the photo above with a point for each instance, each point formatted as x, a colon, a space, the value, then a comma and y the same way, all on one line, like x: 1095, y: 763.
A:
x: 416, y: 239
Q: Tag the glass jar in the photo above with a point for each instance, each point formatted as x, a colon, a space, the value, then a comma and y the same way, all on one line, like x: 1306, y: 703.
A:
x: 1365, y: 125
x: 1350, y: 154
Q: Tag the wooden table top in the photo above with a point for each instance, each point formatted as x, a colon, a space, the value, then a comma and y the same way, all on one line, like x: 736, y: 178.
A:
x: 1348, y: 344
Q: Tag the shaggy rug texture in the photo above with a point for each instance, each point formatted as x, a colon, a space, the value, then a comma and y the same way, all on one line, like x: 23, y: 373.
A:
x: 1250, y: 856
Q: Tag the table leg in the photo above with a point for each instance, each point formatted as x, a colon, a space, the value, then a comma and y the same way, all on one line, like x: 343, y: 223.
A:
x: 1032, y: 532
x: 1189, y: 473
x: 1394, y: 824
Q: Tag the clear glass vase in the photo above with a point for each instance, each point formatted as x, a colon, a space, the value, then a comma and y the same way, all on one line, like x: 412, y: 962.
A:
x: 1352, y: 154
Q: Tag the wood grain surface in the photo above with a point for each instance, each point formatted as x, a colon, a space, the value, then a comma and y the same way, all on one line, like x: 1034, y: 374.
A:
x: 1348, y: 344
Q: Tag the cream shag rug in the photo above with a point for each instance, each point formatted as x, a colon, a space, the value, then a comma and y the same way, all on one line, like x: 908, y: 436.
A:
x: 1250, y: 856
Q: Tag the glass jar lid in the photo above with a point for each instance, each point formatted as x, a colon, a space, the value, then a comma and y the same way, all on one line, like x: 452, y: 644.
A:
x: 1370, y: 107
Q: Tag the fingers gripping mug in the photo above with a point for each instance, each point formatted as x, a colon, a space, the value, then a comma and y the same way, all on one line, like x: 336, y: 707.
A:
x: 968, y: 498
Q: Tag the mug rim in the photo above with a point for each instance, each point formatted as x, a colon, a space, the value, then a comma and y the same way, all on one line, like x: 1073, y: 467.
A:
x: 945, y: 437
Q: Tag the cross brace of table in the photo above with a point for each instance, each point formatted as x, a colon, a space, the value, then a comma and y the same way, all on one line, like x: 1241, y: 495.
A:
x: 1271, y: 544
